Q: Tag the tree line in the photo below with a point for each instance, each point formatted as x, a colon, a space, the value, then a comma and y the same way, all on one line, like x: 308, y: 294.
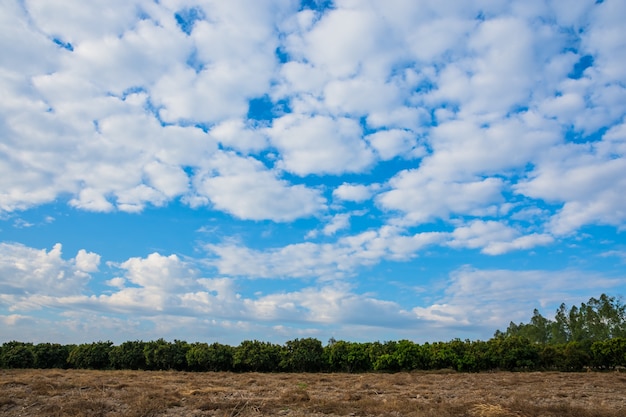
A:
x: 590, y: 336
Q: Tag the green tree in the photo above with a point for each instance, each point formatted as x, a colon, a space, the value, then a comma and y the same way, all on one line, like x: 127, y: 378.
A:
x: 128, y: 355
x: 410, y: 356
x: 303, y: 355
x: 214, y: 357
x: 598, y: 319
x: 609, y: 353
x: 383, y: 356
x: 605, y: 318
x: 348, y: 357
x: 256, y: 356
x: 443, y: 356
x: 576, y: 356
x: 550, y: 357
x: 513, y: 353
x: 51, y: 355
x: 90, y: 355
x: 17, y: 355
x: 476, y: 357
x: 164, y: 355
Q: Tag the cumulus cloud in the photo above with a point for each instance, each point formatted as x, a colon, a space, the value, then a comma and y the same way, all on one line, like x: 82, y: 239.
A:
x: 492, y: 126
x: 422, y: 199
x: 585, y: 178
x: 323, y: 261
x: 133, y: 124
x: 495, y: 238
x: 320, y: 145
x: 354, y: 192
x: 245, y: 188
x: 25, y: 270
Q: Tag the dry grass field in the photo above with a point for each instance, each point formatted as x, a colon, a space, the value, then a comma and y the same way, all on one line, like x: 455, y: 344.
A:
x: 78, y: 393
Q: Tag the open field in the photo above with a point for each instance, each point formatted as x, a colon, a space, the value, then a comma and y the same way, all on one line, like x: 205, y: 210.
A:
x: 50, y: 393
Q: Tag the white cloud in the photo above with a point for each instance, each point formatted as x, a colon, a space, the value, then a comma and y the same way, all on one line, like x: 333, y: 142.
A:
x: 462, y: 148
x: 331, y: 304
x: 14, y: 320
x: 87, y: 116
x: 604, y: 39
x: 245, y: 188
x: 323, y: 261
x: 354, y: 192
x: 495, y: 238
x: 82, y: 23
x: 170, y: 293
x: 346, y: 41
x: 338, y: 222
x: 25, y: 270
x: 236, y: 135
x: 391, y: 143
x: 87, y: 261
x: 320, y: 145
x: 360, y: 96
x: 586, y: 178
x: 422, y: 199
x: 400, y: 118
x: 27, y: 51
x: 506, y: 118
x: 165, y: 273
x: 491, y: 298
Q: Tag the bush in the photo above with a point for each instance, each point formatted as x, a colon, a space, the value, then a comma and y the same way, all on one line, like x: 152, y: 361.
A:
x: 17, y: 355
x: 91, y: 356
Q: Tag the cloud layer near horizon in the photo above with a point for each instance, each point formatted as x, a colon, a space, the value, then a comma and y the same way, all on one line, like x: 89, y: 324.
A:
x: 388, y: 129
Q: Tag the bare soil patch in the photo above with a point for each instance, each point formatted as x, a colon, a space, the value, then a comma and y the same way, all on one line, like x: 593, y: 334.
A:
x: 67, y: 393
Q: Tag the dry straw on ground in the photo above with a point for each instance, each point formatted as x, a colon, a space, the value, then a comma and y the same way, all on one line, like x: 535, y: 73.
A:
x: 79, y: 393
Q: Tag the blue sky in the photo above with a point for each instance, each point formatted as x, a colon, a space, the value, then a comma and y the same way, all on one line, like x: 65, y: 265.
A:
x: 222, y: 171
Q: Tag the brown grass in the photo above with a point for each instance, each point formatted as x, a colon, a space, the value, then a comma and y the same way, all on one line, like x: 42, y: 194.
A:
x: 80, y: 393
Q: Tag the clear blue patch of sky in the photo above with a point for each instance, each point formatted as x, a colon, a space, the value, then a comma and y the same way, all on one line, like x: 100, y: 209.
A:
x: 261, y: 109
x: 578, y: 136
x: 265, y: 110
x: 65, y: 45
x: 281, y: 55
x: 583, y: 63
x: 186, y: 18
x: 317, y: 5
x: 115, y: 236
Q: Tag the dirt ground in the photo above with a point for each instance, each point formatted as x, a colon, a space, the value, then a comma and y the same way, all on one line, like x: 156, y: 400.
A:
x: 50, y: 393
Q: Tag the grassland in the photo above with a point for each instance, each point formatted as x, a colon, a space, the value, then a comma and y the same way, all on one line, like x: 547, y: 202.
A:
x: 78, y: 393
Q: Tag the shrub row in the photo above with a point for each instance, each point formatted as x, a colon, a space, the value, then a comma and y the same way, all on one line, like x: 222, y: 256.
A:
x: 308, y: 355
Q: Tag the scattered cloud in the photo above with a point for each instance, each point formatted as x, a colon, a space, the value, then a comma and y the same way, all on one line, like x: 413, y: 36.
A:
x: 365, y: 134
x: 245, y: 188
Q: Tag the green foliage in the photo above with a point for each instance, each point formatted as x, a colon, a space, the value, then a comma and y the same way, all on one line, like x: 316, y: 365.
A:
x: 348, y: 356
x: 383, y: 357
x: 17, y: 355
x: 163, y: 355
x: 205, y: 357
x: 255, y: 356
x: 609, y: 353
x: 576, y: 355
x: 51, y: 355
x: 411, y: 356
x: 90, y: 356
x: 598, y: 319
x: 514, y: 353
x: 128, y: 355
x: 303, y: 355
